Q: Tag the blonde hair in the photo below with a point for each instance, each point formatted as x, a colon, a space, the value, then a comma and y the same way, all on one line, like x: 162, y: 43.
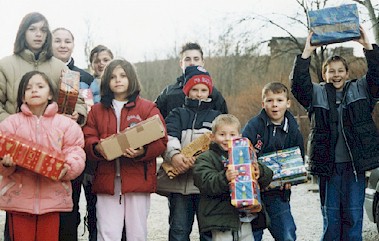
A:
x: 225, y: 119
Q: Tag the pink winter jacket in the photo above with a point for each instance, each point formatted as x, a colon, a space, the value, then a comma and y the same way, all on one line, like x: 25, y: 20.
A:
x: 22, y: 190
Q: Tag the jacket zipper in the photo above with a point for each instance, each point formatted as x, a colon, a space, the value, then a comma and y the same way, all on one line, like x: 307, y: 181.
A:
x: 345, y: 139
x: 37, y: 206
x: 117, y: 161
x: 192, y: 134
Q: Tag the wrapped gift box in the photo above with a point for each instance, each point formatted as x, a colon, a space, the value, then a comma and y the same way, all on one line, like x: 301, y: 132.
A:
x: 244, y: 190
x: 287, y: 166
x: 136, y: 136
x: 68, y: 91
x: 194, y: 148
x: 87, y: 95
x: 334, y: 25
x: 32, y: 156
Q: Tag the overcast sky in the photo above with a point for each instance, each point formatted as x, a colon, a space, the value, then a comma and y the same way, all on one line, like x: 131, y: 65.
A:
x: 139, y: 30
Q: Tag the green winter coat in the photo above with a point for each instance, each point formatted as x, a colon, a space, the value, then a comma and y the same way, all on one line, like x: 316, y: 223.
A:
x: 13, y: 67
x: 215, y: 209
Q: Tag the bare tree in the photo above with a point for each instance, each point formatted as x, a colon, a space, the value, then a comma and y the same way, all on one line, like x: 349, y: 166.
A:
x: 373, y: 16
x: 88, y: 42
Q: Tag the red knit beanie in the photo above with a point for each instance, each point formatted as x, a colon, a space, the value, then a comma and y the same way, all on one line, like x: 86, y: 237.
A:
x: 194, y: 75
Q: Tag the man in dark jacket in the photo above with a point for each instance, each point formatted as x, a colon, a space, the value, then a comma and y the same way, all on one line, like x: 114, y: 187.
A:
x: 172, y: 96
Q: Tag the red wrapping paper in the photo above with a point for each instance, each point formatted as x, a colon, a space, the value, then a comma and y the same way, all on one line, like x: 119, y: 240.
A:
x: 32, y: 156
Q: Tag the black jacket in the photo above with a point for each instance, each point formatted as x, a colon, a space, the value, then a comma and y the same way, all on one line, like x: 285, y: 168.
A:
x: 358, y: 128
x: 173, y: 96
x: 257, y: 130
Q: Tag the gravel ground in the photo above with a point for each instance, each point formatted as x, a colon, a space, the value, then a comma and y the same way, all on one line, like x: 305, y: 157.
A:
x: 305, y: 208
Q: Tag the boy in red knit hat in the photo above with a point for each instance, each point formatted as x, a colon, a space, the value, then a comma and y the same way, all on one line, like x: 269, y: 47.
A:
x: 185, y: 124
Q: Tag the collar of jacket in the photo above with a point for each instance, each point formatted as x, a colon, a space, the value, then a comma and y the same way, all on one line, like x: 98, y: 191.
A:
x: 197, y: 105
x: 71, y: 63
x: 180, y: 80
x: 218, y: 149
x: 50, y: 110
x: 29, y: 56
x: 132, y: 101
x: 284, y: 125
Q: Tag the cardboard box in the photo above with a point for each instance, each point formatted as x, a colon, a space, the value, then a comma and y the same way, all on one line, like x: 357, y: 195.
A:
x: 139, y: 135
x: 32, y: 156
x: 287, y: 166
x: 244, y: 190
x: 194, y: 148
x: 68, y: 91
x: 334, y: 25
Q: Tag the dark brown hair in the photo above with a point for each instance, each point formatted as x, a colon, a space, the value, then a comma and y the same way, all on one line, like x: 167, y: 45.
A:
x: 20, y: 42
x: 24, y: 83
x: 134, y: 87
x: 191, y: 46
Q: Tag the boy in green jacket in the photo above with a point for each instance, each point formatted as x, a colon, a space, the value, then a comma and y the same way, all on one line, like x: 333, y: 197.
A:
x: 212, y: 177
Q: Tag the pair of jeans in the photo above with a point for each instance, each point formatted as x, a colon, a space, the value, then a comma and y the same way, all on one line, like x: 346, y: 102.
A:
x: 282, y: 227
x: 342, y: 198
x: 183, y: 209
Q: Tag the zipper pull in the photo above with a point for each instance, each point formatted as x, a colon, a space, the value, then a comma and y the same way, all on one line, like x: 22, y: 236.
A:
x: 274, y: 132
x: 120, y: 198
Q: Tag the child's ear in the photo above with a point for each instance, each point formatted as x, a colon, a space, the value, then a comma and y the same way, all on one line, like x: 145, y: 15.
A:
x: 263, y: 104
x: 212, y: 136
x: 288, y: 104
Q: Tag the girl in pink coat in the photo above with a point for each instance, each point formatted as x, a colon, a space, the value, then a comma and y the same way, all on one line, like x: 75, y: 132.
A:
x: 32, y: 201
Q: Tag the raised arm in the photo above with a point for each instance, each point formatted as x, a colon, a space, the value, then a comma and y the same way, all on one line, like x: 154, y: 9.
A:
x: 300, y: 78
x: 372, y: 56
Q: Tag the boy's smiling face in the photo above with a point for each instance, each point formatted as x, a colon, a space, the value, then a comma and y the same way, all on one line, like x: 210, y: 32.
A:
x: 276, y: 105
x: 224, y: 133
x: 336, y: 74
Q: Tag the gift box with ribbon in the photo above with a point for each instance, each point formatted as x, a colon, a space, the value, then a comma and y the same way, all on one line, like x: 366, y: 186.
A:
x: 334, y: 24
x: 34, y: 157
x: 287, y: 166
x: 68, y: 91
x: 244, y: 190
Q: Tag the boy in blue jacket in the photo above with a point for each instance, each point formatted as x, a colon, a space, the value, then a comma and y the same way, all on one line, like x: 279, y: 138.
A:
x: 184, y: 125
x: 273, y: 129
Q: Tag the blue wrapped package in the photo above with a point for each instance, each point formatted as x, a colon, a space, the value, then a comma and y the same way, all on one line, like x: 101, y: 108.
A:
x: 334, y: 25
x: 287, y: 166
